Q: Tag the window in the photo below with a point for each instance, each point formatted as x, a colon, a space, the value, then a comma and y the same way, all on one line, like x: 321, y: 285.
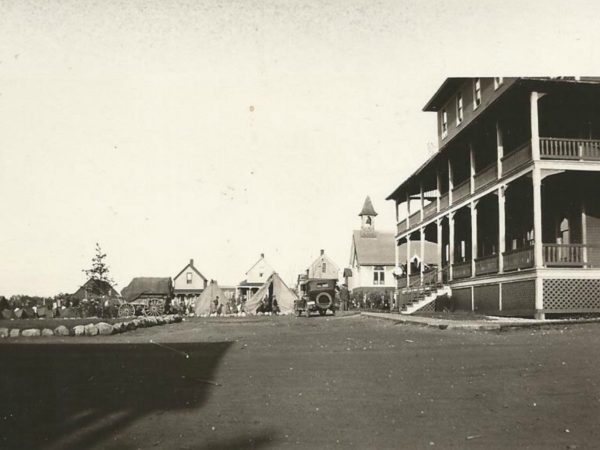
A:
x: 459, y: 109
x: 564, y: 236
x: 476, y: 93
x: 324, y: 267
x: 444, y: 123
x: 378, y: 275
x: 497, y: 82
x: 188, y: 277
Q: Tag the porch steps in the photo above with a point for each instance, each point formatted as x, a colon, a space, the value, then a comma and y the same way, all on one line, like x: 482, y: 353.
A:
x: 425, y: 298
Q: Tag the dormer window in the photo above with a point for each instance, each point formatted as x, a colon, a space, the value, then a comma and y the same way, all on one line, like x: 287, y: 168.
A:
x: 476, y: 93
x: 459, y: 109
x: 498, y: 82
x: 444, y: 123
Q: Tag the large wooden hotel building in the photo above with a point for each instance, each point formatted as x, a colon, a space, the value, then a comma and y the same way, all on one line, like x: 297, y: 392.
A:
x: 511, y: 198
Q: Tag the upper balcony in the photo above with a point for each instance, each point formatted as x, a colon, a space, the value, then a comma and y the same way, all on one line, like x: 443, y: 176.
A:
x: 551, y: 148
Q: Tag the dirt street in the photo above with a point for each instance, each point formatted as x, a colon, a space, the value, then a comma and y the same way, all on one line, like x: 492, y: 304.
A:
x: 343, y: 382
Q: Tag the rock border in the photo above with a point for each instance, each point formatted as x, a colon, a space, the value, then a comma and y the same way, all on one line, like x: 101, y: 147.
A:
x: 93, y: 328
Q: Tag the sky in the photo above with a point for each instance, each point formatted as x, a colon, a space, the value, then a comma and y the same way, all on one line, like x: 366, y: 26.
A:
x: 225, y: 129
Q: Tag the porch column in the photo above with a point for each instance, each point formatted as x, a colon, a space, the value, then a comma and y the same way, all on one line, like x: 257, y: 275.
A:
x: 584, y: 232
x: 407, y: 210
x: 537, y: 217
x: 438, y: 180
x: 501, y: 228
x: 422, y: 199
x: 473, y: 236
x: 472, y: 168
x: 535, y: 127
x: 408, y: 261
x: 451, y: 243
x: 397, y: 212
x: 500, y: 147
x: 438, y: 223
x: 422, y: 253
x: 450, y: 182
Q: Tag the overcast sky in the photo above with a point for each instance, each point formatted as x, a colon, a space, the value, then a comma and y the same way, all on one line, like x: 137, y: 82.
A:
x: 219, y: 130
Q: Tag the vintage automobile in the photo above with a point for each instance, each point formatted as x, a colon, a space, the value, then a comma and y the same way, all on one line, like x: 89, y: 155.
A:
x: 316, y: 295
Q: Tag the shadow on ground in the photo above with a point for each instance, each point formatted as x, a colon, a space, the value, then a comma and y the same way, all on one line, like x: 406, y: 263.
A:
x: 78, y: 396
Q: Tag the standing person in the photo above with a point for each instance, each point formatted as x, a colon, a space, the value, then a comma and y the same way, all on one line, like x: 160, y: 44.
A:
x: 344, y: 297
x: 275, y: 307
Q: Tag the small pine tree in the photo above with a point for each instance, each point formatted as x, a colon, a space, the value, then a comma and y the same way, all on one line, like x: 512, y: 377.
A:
x: 100, y: 269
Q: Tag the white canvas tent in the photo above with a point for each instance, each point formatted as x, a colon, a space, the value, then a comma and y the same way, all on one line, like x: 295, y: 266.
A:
x: 274, y: 286
x: 208, y: 295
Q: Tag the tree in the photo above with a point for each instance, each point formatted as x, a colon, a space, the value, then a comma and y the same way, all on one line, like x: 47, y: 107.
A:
x: 99, y: 270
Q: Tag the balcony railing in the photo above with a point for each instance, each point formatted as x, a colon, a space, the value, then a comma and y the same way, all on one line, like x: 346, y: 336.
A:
x: 461, y: 191
x: 414, y: 218
x: 401, y: 282
x: 429, y: 210
x: 486, y: 177
x: 516, y: 159
x: 518, y: 259
x: 565, y: 255
x: 576, y: 149
x: 401, y: 226
x: 444, y: 201
x: 486, y: 265
x: 461, y: 270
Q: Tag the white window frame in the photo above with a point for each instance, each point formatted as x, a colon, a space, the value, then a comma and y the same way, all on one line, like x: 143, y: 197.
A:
x: 476, y: 93
x: 460, y: 109
x: 378, y: 275
x: 444, y: 123
x: 188, y: 277
x: 498, y: 82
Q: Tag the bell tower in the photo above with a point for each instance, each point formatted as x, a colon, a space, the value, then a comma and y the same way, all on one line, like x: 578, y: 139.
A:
x: 367, y: 217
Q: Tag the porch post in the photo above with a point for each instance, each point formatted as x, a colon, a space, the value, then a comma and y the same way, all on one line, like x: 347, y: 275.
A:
x: 501, y: 228
x: 537, y: 217
x: 584, y: 232
x: 473, y: 236
x: 407, y: 260
x: 472, y: 167
x: 422, y: 252
x: 438, y: 223
x: 397, y: 212
x: 535, y: 128
x: 451, y: 244
x: 422, y: 199
x: 438, y: 180
x: 407, y: 209
x: 450, y: 182
x: 500, y: 146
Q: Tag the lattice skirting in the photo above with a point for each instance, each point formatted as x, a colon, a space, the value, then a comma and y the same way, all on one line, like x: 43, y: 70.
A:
x: 571, y: 295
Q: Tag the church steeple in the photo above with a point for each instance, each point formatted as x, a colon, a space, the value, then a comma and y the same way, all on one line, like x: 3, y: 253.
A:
x: 367, y: 216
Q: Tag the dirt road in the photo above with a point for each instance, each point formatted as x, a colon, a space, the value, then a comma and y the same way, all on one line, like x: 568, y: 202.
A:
x: 346, y: 382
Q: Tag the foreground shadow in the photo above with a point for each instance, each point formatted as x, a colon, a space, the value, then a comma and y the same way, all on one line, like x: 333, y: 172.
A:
x: 76, y: 396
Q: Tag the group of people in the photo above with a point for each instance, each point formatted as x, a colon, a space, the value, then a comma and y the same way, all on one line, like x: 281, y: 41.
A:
x: 268, y: 306
x: 228, y: 307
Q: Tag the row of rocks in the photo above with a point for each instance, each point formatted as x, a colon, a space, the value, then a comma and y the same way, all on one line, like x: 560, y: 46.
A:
x: 93, y: 329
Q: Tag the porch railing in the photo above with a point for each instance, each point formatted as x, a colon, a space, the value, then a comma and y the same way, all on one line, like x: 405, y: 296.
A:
x: 429, y: 210
x: 517, y: 158
x: 414, y: 218
x: 486, y: 265
x: 518, y: 259
x: 401, y: 226
x: 565, y: 255
x: 444, y: 201
x: 575, y: 149
x: 461, y: 270
x: 486, y: 177
x: 461, y: 191
x: 445, y: 274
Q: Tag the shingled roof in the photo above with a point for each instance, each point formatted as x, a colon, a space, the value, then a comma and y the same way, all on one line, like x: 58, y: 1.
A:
x: 374, y: 249
x: 367, y: 209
